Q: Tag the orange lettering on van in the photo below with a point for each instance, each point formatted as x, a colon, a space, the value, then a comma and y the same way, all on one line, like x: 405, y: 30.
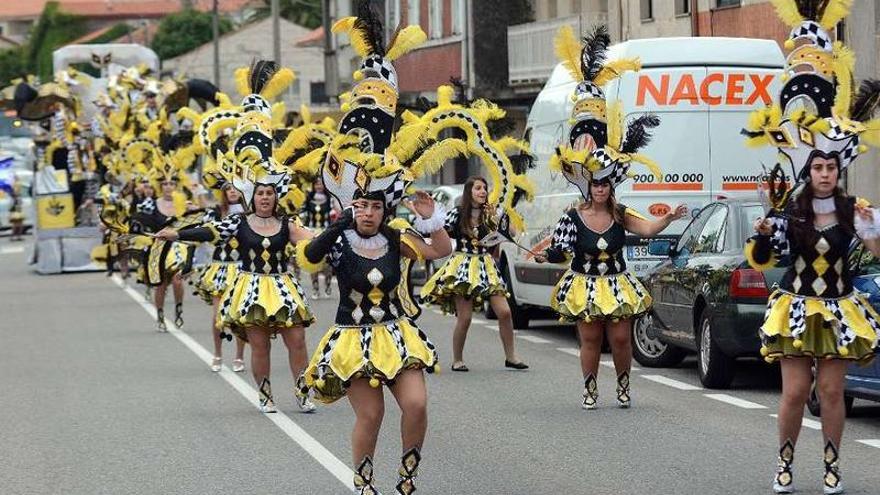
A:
x: 735, y: 89
x: 762, y: 84
x: 647, y: 85
x: 685, y: 91
x: 704, y: 88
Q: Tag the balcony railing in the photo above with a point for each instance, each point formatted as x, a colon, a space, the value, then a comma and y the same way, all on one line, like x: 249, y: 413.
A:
x: 530, y: 46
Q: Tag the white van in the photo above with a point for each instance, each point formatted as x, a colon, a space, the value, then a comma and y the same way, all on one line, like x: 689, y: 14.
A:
x: 703, y: 90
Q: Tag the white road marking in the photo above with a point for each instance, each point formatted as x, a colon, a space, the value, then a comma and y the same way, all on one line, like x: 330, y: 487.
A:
x: 308, y: 443
x: 479, y: 321
x: 871, y: 443
x: 436, y: 311
x: 11, y: 249
x: 735, y: 401
x: 570, y: 351
x: 669, y: 382
x: 610, y: 364
x: 809, y: 423
x: 533, y: 339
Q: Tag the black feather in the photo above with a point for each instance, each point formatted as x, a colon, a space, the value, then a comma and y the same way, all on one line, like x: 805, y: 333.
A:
x: 638, y: 133
x: 261, y: 72
x: 812, y: 9
x: 865, y: 104
x: 594, y: 52
x: 369, y: 22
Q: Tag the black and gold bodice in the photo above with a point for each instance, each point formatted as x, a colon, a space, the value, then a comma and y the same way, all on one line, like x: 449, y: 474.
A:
x: 225, y: 252
x: 368, y: 288
x: 147, y: 217
x: 591, y: 252
x: 466, y: 242
x: 263, y: 254
x: 316, y: 210
x: 819, y: 257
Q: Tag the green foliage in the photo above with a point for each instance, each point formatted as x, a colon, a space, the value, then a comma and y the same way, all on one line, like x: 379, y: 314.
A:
x: 306, y: 13
x: 13, y: 64
x: 183, y: 31
x: 53, y: 30
x: 117, y: 31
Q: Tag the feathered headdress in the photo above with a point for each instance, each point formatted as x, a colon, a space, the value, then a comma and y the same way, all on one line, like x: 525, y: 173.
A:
x: 816, y: 114
x: 598, y: 146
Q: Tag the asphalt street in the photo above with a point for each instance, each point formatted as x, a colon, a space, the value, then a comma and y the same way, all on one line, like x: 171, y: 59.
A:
x: 95, y: 401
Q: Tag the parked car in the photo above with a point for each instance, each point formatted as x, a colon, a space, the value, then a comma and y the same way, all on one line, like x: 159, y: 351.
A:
x: 25, y: 178
x: 707, y: 299
x: 862, y: 382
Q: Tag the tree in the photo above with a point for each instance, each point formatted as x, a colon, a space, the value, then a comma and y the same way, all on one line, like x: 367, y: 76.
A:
x: 183, y: 31
x: 53, y: 30
x: 13, y: 64
x: 306, y: 13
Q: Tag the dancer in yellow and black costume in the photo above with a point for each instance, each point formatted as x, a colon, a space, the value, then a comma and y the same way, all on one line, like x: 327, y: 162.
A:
x: 815, y: 319
x: 263, y: 299
x: 597, y: 292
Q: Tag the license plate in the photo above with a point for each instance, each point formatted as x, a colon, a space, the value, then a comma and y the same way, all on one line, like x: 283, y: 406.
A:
x: 639, y: 252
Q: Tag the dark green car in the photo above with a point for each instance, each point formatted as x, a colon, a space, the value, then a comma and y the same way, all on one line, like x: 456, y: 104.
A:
x: 706, y: 297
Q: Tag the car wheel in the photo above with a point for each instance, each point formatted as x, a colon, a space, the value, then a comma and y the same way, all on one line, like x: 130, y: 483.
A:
x: 650, y: 351
x: 716, y: 369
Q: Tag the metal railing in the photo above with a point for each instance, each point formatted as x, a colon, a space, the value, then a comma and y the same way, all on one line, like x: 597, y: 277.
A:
x: 530, y: 46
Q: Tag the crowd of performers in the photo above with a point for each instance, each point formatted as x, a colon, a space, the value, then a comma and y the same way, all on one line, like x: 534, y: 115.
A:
x: 274, y: 198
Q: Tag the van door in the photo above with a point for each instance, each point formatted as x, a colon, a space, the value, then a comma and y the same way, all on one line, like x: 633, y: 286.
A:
x: 736, y: 169
x: 680, y: 146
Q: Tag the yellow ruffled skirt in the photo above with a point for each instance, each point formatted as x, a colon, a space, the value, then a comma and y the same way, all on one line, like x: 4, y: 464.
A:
x: 214, y: 279
x: 842, y: 328
x: 378, y: 352
x: 165, y: 259
x: 472, y: 276
x: 260, y: 300
x: 580, y: 297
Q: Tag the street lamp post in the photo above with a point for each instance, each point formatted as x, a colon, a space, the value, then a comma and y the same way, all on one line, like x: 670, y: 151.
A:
x: 276, y: 34
x: 215, y: 26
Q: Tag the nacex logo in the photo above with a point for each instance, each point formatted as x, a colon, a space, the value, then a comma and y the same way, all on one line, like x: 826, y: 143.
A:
x: 717, y: 88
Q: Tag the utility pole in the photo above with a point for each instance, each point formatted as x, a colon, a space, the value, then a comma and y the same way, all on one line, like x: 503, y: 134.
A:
x: 331, y: 66
x: 215, y: 26
x: 276, y: 33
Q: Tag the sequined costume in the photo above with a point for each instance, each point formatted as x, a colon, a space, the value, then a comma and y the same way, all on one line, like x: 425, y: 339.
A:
x: 597, y: 284
x: 262, y: 293
x: 374, y: 335
x: 471, y: 271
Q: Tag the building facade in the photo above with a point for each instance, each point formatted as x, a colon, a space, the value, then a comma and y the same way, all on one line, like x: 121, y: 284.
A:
x: 254, y: 41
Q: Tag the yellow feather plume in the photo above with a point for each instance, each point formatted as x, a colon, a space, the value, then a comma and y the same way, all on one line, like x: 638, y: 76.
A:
x: 568, y: 51
x: 844, y: 64
x: 445, y: 94
x: 835, y: 11
x: 358, y: 38
x: 279, y: 82
x: 343, y: 25
x: 871, y: 135
x: 615, y: 125
x: 305, y: 114
x: 787, y: 11
x: 436, y: 155
x: 650, y: 164
x: 523, y: 183
x: 613, y: 69
x: 407, y: 39
x: 509, y: 144
x: 242, y: 85
x: 223, y: 99
x: 279, y: 110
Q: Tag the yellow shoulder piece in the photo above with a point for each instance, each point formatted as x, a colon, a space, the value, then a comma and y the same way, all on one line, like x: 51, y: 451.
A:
x: 304, y: 262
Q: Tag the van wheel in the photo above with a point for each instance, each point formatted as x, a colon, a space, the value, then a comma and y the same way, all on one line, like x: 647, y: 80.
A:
x: 716, y: 369
x: 517, y: 313
x: 650, y: 351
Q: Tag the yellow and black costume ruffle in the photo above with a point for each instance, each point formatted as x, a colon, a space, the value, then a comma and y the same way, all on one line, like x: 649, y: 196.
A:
x: 471, y: 276
x: 581, y: 297
x: 378, y: 352
x: 838, y: 328
x: 263, y: 300
x: 166, y: 259
x: 214, y: 278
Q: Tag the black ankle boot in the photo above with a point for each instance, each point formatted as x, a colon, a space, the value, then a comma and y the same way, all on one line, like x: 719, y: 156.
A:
x: 623, y: 398
x: 409, y: 469
x: 363, y: 478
